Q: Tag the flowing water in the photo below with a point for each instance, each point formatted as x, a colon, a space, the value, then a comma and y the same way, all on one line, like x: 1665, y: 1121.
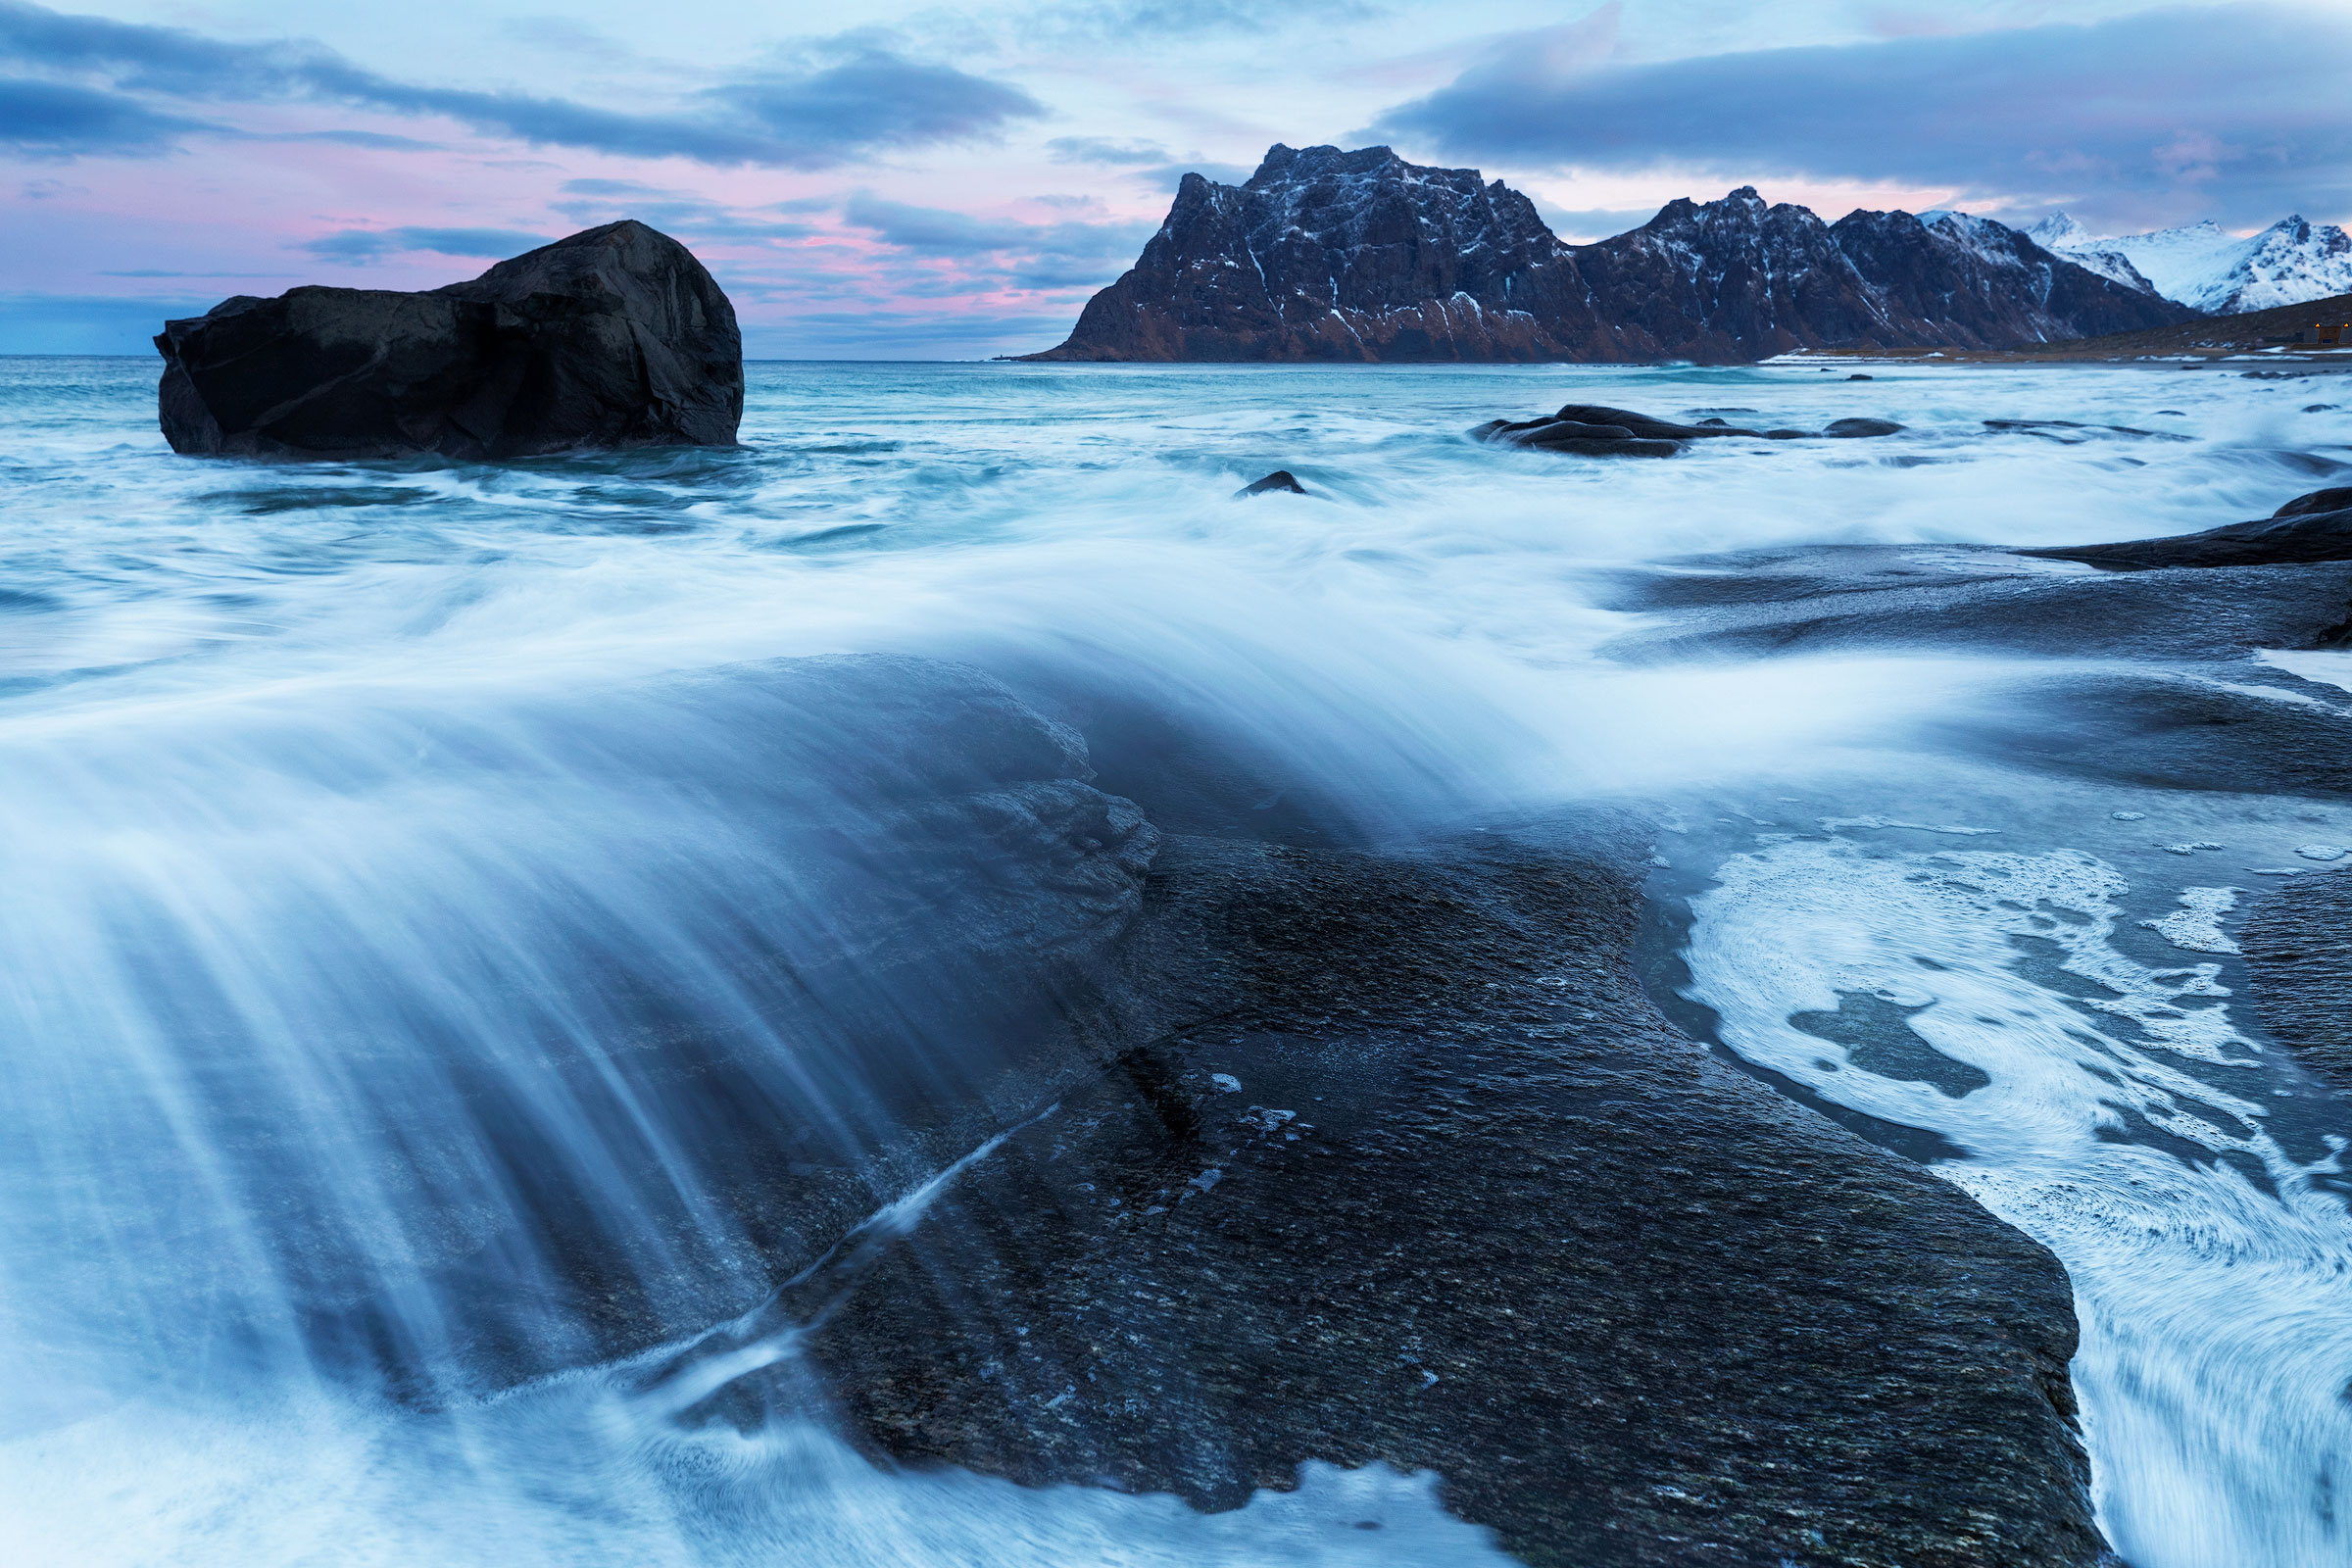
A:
x: 349, y: 815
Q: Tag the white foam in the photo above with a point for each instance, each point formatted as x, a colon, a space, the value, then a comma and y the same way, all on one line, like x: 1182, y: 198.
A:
x: 570, y: 1474
x: 2196, y: 926
x: 2326, y: 666
x: 2215, y: 1339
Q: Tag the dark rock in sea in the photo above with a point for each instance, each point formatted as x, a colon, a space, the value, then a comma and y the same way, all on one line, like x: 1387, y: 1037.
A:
x: 1281, y: 479
x: 2314, y: 527
x: 1861, y: 379
x: 1597, y: 430
x: 2337, y: 497
x: 2298, y: 947
x: 2224, y: 728
x: 1402, y: 1165
x: 1816, y: 599
x: 1577, y: 437
x: 1331, y: 255
x: 614, y: 337
x: 1645, y: 426
x: 2319, y: 408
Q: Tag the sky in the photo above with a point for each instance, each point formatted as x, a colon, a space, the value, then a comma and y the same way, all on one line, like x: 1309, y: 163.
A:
x: 890, y: 180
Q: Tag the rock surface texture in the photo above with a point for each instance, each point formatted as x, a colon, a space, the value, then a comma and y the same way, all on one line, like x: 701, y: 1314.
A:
x: 1404, y: 1167
x: 1331, y: 255
x: 614, y: 337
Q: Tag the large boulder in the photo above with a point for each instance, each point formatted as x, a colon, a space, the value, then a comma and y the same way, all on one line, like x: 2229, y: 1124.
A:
x: 616, y: 337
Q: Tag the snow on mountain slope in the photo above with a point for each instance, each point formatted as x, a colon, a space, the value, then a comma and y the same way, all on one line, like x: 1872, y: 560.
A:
x: 2062, y: 235
x: 2203, y: 265
x: 2291, y: 262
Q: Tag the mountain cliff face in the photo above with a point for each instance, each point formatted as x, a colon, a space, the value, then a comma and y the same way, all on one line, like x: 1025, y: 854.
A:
x: 1326, y: 255
x: 1331, y: 255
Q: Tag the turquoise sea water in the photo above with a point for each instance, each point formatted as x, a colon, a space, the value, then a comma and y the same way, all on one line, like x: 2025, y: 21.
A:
x: 223, y: 792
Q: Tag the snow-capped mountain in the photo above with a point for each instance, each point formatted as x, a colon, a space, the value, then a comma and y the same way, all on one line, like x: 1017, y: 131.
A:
x: 2204, y: 266
x: 1332, y: 255
x: 2061, y: 235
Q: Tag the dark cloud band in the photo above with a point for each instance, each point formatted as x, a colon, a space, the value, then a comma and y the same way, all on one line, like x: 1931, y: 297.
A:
x: 2238, y: 111
x: 855, y: 99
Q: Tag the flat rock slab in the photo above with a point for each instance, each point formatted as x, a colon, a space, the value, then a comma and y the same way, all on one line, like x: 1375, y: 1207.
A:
x: 1411, y: 1170
x: 614, y: 337
x: 1820, y: 598
x: 2314, y: 528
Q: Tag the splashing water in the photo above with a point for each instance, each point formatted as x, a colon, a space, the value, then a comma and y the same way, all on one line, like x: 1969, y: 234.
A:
x: 2113, y: 1112
x: 386, y: 842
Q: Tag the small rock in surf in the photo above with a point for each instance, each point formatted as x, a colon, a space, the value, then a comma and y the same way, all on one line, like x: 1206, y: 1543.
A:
x: 1280, y: 481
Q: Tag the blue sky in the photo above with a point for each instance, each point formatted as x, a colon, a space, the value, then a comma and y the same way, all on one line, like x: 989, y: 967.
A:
x: 924, y: 180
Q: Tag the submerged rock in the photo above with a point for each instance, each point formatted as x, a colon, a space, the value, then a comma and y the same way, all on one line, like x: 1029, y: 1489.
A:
x: 2314, y: 527
x: 1280, y: 481
x: 1852, y: 429
x: 614, y: 337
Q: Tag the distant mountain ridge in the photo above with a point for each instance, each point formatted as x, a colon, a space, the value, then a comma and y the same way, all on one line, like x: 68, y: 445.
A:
x: 1332, y: 255
x: 2207, y: 269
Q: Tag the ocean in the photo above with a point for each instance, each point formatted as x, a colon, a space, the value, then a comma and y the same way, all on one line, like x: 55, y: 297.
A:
x: 327, y: 786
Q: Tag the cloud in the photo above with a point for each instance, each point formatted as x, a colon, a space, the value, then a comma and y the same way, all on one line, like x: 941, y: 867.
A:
x: 1597, y: 222
x: 2151, y: 116
x: 875, y: 98
x: 48, y: 118
x: 849, y: 97
x: 1192, y: 19
x: 682, y: 213
x: 357, y: 247
x: 1105, y: 150
x: 1027, y: 256
x: 1147, y: 162
x: 1167, y: 176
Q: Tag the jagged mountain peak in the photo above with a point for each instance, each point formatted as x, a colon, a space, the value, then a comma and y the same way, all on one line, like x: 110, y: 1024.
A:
x: 2060, y: 231
x: 1327, y: 252
x: 1284, y: 163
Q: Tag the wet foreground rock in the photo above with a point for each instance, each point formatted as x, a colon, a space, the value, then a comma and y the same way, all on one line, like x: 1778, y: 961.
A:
x: 616, y: 337
x: 1399, y: 1163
